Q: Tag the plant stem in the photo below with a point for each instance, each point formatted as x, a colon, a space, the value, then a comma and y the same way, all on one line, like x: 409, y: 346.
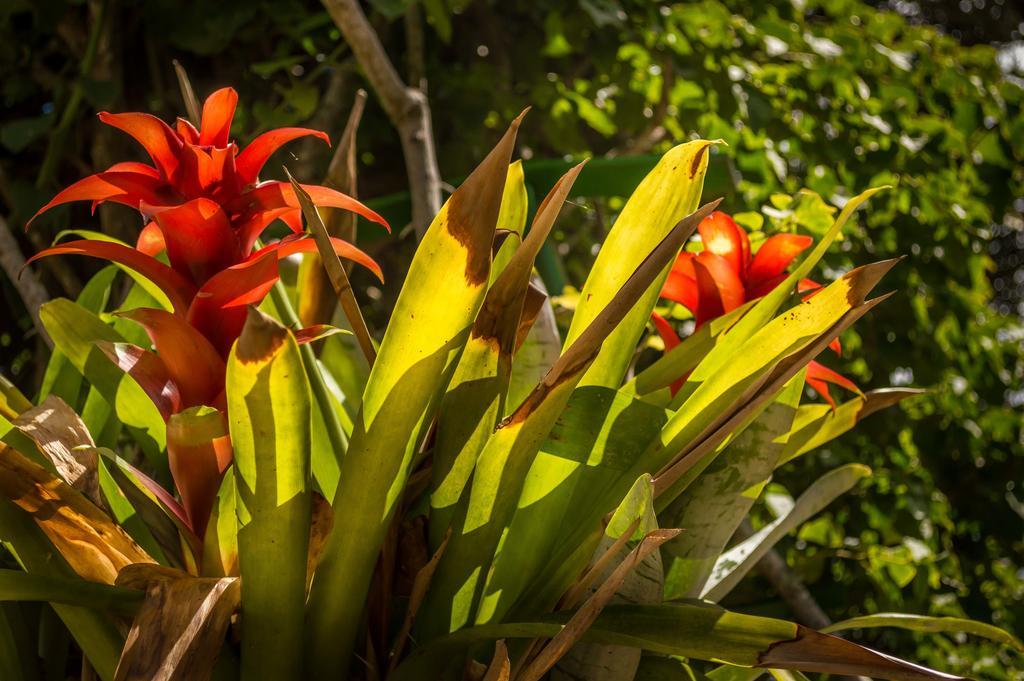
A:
x: 57, y: 142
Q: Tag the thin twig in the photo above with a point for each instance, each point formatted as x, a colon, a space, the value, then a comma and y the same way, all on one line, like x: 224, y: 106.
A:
x: 406, y: 107
x: 188, y: 94
x: 31, y: 290
x: 335, y: 271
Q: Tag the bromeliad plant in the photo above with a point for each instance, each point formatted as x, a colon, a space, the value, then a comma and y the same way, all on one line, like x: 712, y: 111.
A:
x: 469, y: 509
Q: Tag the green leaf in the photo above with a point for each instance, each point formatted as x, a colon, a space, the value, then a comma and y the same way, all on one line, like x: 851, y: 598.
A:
x: 504, y: 464
x: 95, y: 634
x: 269, y: 419
x: 443, y: 290
x: 670, y: 192
x: 816, y: 424
x: 475, y: 398
x: 935, y: 625
x: 735, y: 563
x: 75, y: 332
x: 718, y: 500
x: 154, y: 291
x: 696, y: 630
x: 16, y: 585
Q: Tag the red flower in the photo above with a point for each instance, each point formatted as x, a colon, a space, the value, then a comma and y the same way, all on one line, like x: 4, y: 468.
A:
x: 725, y: 275
x: 206, y: 208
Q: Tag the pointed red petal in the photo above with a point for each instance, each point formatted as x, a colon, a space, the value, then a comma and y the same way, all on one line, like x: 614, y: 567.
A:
x: 218, y: 110
x: 808, y: 286
x: 218, y: 310
x: 207, y: 172
x: 819, y: 376
x: 725, y: 238
x: 151, y: 240
x: 836, y: 347
x: 159, y: 141
x: 252, y: 159
x: 129, y: 188
x: 821, y: 387
x: 198, y: 453
x: 148, y: 371
x: 304, y: 244
x: 681, y: 289
x: 200, y: 241
x: 709, y: 301
x: 671, y: 340
x: 719, y: 288
x: 134, y: 167
x: 774, y: 256
x: 191, y: 360
x: 270, y: 195
x: 249, y: 230
x: 178, y: 289
x: 293, y: 218
x: 187, y: 131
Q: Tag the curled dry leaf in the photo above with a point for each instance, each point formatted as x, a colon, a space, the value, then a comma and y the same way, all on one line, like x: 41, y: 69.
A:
x: 179, y: 630
x: 61, y: 436
x: 91, y: 542
x: 500, y: 667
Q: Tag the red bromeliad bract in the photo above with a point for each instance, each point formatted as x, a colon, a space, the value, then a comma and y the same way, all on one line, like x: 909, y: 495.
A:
x: 205, y: 208
x: 725, y: 275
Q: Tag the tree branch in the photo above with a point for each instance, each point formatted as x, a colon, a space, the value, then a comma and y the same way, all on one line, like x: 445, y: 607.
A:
x: 788, y: 585
x: 406, y: 107
x: 32, y: 292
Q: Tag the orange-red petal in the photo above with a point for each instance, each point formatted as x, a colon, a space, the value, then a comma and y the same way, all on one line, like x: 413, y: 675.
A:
x: 251, y: 160
x: 129, y: 188
x: 681, y: 289
x: 305, y: 244
x: 218, y: 309
x: 151, y: 240
x: 218, y: 111
x: 179, y: 290
x: 148, y: 371
x: 187, y: 131
x: 774, y: 257
x: 719, y: 288
x: 199, y: 238
x: 819, y: 376
x: 161, y: 143
x: 270, y: 195
x: 723, y: 237
x: 208, y: 172
x: 671, y: 340
x: 191, y: 360
x: 198, y: 453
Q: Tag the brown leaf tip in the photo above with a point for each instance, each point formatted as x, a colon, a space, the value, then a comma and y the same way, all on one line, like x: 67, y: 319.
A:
x: 261, y: 337
x: 473, y: 208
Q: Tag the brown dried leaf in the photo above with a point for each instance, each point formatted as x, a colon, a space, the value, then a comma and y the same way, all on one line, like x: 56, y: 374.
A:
x: 320, y: 528
x: 61, y: 436
x: 180, y: 628
x: 420, y: 586
x: 812, y: 651
x: 500, y: 667
x: 592, y: 607
x: 94, y: 545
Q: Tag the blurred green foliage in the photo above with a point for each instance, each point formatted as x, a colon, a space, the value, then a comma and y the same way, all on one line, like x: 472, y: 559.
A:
x: 828, y: 95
